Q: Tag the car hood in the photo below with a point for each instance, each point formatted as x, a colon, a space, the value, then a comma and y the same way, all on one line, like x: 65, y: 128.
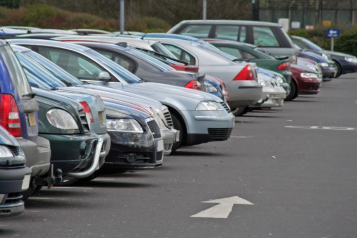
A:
x: 337, y: 53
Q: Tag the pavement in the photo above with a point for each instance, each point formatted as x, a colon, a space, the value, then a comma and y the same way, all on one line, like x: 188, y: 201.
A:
x: 286, y: 172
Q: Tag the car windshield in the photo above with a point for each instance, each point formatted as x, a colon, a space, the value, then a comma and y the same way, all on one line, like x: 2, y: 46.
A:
x: 54, y: 69
x: 16, y: 73
x: 312, y: 45
x: 127, y: 76
x: 39, y: 72
x: 151, y: 60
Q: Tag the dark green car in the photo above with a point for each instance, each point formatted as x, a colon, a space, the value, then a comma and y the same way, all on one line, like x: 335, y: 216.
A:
x: 251, y: 53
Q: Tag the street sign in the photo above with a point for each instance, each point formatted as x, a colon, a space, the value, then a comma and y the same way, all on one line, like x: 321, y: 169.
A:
x: 223, y: 209
x: 332, y: 33
x: 326, y: 23
x: 295, y: 24
x: 284, y: 23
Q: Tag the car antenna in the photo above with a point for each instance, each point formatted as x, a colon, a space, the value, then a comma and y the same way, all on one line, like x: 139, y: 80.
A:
x: 143, y: 36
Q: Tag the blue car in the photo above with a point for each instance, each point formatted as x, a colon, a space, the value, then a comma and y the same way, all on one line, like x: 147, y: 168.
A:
x: 14, y: 176
x: 18, y: 110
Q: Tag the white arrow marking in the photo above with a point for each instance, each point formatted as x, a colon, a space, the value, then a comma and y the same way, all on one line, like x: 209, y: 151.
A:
x: 223, y: 209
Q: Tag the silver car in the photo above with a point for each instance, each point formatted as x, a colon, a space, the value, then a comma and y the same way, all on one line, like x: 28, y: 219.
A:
x: 200, y: 117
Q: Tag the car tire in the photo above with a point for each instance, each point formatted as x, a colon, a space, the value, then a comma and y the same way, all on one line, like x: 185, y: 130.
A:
x: 293, y: 92
x: 339, y: 69
x: 240, y: 111
x: 177, y: 125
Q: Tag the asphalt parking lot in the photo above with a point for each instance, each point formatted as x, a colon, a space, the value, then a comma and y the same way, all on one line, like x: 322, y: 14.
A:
x: 291, y: 170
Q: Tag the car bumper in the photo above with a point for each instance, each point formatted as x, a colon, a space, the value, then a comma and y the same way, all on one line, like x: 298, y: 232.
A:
x: 169, y: 136
x: 275, y: 98
x: 309, y: 88
x: 206, y: 126
x: 328, y: 74
x: 38, y: 154
x: 131, y: 151
x: 74, y: 153
x: 12, y: 183
x: 243, y: 93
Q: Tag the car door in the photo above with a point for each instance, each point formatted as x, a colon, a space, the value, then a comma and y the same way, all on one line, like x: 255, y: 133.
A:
x: 80, y: 66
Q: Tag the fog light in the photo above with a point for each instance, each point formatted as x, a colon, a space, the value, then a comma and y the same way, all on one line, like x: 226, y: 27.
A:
x: 130, y: 158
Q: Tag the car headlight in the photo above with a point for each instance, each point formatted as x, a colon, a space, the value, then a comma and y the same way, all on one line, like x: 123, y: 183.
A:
x: 5, y: 152
x: 61, y: 119
x: 325, y: 56
x: 207, y: 106
x: 124, y: 125
x: 280, y: 80
x: 210, y: 88
x: 266, y: 84
x: 323, y: 64
x: 308, y: 75
x: 351, y: 59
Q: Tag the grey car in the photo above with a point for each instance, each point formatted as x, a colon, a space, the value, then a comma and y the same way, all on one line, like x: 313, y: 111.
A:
x: 266, y: 35
x: 200, y: 117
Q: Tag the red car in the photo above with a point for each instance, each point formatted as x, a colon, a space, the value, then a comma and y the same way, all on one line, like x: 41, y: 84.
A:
x: 304, y: 81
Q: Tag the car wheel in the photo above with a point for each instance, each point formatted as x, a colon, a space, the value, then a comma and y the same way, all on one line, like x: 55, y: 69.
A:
x: 177, y: 125
x: 339, y: 69
x: 293, y: 92
x: 240, y: 111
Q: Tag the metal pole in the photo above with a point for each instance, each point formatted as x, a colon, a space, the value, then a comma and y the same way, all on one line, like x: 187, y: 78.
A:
x: 303, y: 14
x: 255, y: 10
x: 336, y: 11
x: 204, y: 9
x: 332, y: 43
x: 121, y: 16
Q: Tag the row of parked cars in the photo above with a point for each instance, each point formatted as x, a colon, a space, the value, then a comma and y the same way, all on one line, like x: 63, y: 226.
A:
x: 77, y: 104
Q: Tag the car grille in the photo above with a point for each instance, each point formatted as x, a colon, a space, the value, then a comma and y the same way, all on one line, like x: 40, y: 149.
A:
x: 226, y: 106
x: 84, y: 121
x: 220, y: 133
x: 168, y: 119
x: 154, y: 129
x: 13, y: 198
x: 14, y: 149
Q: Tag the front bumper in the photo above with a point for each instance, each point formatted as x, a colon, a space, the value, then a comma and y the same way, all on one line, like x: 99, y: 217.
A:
x: 12, y: 183
x: 205, y: 126
x: 169, y: 136
x: 73, y: 153
x: 309, y: 88
x: 243, y: 93
x: 133, y: 151
x: 38, y: 154
x: 328, y: 73
x: 275, y: 97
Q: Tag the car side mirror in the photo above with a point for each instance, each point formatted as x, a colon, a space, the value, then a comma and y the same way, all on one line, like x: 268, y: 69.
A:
x: 104, y: 76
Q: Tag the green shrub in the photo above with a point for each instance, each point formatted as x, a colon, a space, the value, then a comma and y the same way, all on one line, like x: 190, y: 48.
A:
x: 155, y: 24
x: 3, y: 13
x: 347, y: 42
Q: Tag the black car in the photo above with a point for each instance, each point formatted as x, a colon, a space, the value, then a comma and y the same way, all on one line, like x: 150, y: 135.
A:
x: 146, y: 67
x: 345, y: 63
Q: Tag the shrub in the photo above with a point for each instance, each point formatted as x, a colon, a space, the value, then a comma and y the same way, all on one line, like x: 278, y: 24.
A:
x: 3, y: 12
x: 347, y: 42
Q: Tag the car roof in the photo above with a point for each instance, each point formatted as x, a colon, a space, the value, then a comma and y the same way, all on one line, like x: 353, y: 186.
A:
x: 48, y: 43
x: 253, y: 23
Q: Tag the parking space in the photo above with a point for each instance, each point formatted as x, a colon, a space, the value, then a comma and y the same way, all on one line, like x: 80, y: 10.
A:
x: 290, y: 171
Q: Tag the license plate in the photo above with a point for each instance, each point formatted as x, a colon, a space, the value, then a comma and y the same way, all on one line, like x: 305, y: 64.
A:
x: 159, y: 145
x: 26, y: 182
x: 100, y: 117
x: 32, y: 119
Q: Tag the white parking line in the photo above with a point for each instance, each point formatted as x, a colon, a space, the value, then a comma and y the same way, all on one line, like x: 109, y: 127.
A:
x: 323, y: 128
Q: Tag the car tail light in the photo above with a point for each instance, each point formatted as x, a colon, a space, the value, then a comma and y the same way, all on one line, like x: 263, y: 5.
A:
x: 193, y: 85
x: 191, y: 68
x: 10, y: 116
x: 284, y: 66
x: 246, y: 74
x: 87, y: 110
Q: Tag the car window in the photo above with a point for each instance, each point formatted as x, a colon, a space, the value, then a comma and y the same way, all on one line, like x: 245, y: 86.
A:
x: 198, y: 31
x: 249, y: 55
x: 229, y: 32
x: 299, y: 43
x: 181, y: 54
x: 122, y: 61
x: 232, y: 51
x: 264, y: 36
x: 16, y: 72
x: 72, y: 62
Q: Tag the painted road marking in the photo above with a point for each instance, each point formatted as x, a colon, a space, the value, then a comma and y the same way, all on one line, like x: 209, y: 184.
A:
x: 223, y: 209
x: 324, y: 128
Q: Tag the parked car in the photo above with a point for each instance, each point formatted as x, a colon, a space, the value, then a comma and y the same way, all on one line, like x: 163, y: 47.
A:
x: 266, y: 35
x: 328, y: 67
x: 238, y: 77
x: 90, y: 31
x: 18, y: 109
x: 345, y: 63
x: 312, y: 65
x: 199, y: 116
x: 252, y: 53
x: 14, y: 176
x: 305, y: 81
x: 157, y: 111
